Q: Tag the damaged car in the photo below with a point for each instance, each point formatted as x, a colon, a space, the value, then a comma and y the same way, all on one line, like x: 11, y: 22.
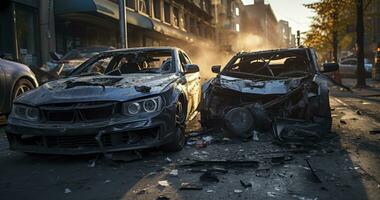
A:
x: 118, y: 100
x: 280, y: 91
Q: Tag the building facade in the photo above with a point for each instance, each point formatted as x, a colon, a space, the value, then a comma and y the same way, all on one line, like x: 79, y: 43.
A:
x: 285, y: 34
x: 228, y: 16
x: 43, y: 26
x: 261, y: 22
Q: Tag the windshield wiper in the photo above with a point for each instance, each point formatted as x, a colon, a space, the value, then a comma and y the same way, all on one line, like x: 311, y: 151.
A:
x: 266, y: 65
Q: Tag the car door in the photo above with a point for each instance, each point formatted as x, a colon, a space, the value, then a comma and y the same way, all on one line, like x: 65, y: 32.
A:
x: 193, y: 84
x: 2, y: 88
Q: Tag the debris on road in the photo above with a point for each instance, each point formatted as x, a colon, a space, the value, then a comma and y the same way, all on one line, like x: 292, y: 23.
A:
x: 161, y: 197
x: 209, y: 176
x: 228, y: 163
x: 245, y: 184
x: 168, y: 160
x: 191, y: 186
x: 126, y: 156
x: 174, y: 172
x: 67, y: 190
x: 374, y: 132
x: 163, y: 183
x: 316, y: 177
x: 238, y: 191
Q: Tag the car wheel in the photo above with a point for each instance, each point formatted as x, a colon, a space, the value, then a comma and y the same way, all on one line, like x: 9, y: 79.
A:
x: 23, y: 85
x: 178, y: 141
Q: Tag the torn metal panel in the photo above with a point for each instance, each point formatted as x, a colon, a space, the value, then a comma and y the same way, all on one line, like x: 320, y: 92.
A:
x: 256, y: 88
x: 282, y: 86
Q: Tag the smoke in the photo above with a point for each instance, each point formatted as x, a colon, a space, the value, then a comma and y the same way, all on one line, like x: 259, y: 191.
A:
x: 208, y: 54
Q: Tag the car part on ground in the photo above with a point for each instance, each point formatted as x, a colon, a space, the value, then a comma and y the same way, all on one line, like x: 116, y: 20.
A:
x: 15, y: 80
x: 281, y: 91
x: 118, y: 100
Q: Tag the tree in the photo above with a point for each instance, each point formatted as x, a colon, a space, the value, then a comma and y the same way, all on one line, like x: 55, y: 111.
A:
x: 360, y: 43
x: 332, y: 19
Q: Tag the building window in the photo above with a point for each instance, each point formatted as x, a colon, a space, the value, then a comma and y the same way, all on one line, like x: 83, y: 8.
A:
x: 157, y: 9
x: 26, y: 36
x: 176, y: 17
x: 237, y: 11
x: 131, y: 4
x: 237, y: 27
x: 144, y: 6
x: 167, y: 12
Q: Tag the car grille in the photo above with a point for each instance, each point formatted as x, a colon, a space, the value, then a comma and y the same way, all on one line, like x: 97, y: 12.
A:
x: 78, y: 112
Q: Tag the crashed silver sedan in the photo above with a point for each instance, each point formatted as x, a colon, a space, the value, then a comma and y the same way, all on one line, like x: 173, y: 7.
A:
x: 282, y: 91
x: 117, y: 100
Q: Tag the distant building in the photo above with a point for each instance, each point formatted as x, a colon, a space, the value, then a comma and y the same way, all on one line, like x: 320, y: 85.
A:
x: 293, y: 41
x: 228, y: 23
x: 30, y: 29
x: 261, y: 21
x: 285, y: 32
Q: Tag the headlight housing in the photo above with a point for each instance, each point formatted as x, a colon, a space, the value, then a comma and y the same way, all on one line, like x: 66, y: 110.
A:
x: 25, y: 112
x: 149, y: 105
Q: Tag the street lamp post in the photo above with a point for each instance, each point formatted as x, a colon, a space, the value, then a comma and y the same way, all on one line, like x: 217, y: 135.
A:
x: 123, y: 24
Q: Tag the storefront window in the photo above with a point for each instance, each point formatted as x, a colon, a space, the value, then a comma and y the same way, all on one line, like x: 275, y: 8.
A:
x: 26, y: 36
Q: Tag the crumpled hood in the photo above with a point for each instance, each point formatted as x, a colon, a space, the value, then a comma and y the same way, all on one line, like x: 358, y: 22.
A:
x: 282, y: 86
x: 97, y: 88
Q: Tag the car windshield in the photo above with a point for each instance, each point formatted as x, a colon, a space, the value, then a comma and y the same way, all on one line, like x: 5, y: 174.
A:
x: 269, y: 64
x: 118, y: 63
x: 77, y: 54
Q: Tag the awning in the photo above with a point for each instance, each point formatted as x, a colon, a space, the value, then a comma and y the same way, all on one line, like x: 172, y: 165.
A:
x: 104, y: 7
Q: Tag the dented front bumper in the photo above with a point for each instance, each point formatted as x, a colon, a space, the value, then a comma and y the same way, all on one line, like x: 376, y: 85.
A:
x: 116, y: 134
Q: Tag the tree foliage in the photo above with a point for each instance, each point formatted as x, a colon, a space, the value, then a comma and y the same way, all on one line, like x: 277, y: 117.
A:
x: 330, y: 16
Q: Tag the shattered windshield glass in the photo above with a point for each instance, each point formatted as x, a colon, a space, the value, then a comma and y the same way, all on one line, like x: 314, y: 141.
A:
x: 118, y: 63
x: 272, y: 64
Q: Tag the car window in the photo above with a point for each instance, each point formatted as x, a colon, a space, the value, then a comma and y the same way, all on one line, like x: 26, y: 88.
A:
x: 270, y: 64
x: 183, y: 60
x: 130, y: 62
x: 187, y: 58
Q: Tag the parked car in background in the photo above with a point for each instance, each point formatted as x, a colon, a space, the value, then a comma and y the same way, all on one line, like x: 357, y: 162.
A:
x: 61, y: 66
x: 118, y: 100
x: 15, y: 79
x: 348, y: 67
x: 282, y: 92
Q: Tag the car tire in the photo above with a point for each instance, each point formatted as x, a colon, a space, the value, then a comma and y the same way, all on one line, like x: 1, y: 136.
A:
x: 178, y: 140
x: 22, y: 85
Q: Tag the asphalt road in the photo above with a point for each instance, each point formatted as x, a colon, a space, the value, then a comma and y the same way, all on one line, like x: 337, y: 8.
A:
x: 347, y: 164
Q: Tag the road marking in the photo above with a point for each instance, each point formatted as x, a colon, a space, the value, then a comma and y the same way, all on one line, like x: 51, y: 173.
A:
x: 341, y: 102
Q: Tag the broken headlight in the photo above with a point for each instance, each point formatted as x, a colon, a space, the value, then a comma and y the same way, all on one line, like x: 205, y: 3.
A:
x: 149, y: 105
x: 25, y: 112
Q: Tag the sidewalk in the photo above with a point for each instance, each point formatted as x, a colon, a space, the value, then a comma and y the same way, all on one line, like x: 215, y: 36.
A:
x: 372, y: 91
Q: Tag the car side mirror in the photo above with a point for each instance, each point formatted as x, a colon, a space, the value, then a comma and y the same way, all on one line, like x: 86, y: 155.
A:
x: 55, y: 56
x: 216, y: 69
x: 191, y: 68
x: 330, y: 67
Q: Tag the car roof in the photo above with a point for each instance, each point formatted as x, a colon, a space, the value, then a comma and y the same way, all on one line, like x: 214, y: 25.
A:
x: 162, y: 48
x: 273, y: 51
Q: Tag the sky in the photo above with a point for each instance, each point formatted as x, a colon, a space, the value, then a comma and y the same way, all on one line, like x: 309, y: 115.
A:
x: 293, y: 11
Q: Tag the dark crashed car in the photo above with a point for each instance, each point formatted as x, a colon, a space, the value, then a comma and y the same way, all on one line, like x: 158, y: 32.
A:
x: 118, y: 100
x: 279, y: 91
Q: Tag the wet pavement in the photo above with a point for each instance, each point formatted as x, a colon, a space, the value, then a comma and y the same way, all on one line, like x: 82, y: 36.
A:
x: 345, y: 165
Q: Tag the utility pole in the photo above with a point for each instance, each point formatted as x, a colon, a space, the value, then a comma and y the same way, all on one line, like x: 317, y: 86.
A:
x: 361, y: 82
x: 123, y: 24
